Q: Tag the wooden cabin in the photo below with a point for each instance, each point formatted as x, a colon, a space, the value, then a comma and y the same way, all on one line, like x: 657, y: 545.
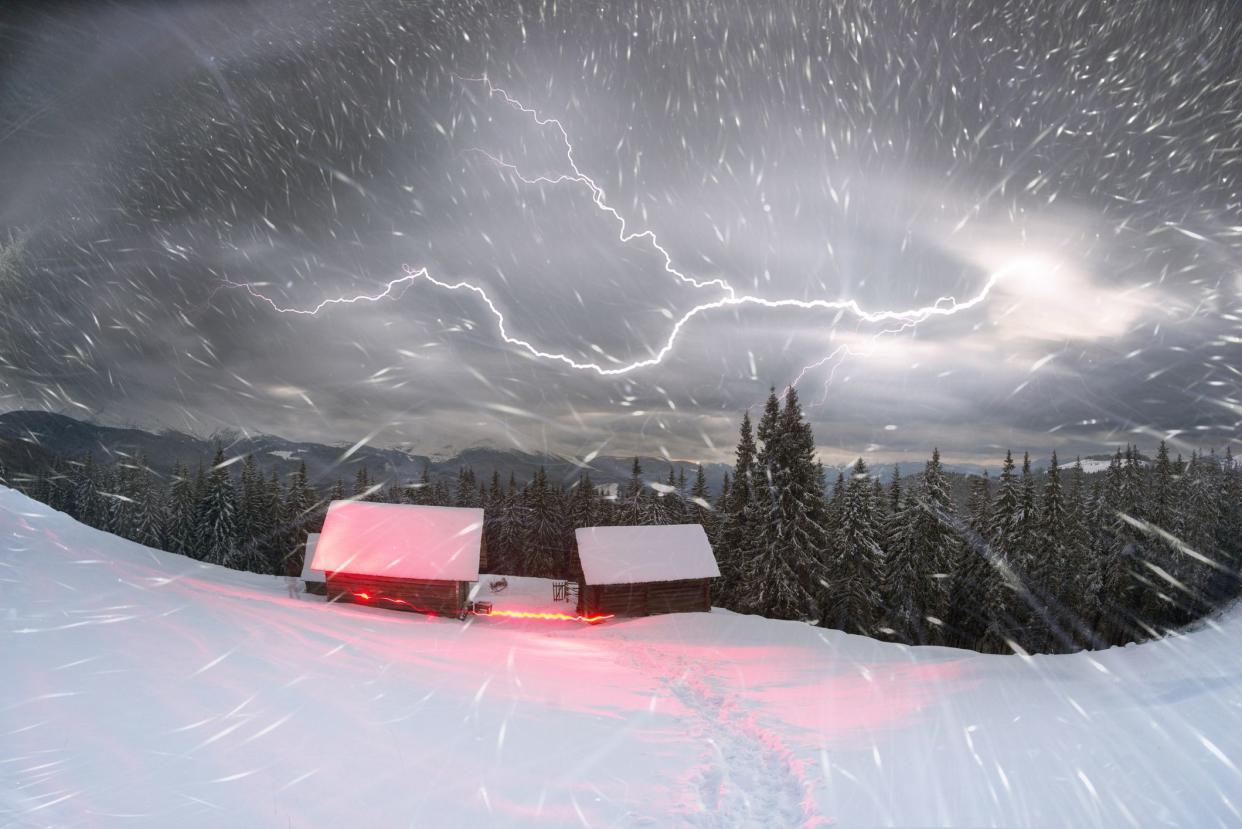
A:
x: 400, y: 556
x: 642, y: 571
x: 312, y: 579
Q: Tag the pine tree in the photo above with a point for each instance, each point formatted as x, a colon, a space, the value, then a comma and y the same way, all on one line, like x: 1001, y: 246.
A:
x: 636, y: 503
x: 182, y: 514
x: 923, y: 553
x: 1196, y: 527
x: 583, y: 512
x: 895, y: 502
x: 1077, y: 551
x: 856, y: 601
x: 973, y: 576
x: 737, y: 532
x: 1026, y: 541
x: 491, y: 557
x: 298, y: 517
x: 543, y: 555
x: 1229, y: 528
x: 583, y: 502
x: 217, y: 515
x: 118, y: 488
x: 1161, y: 492
x: 467, y: 489
x: 937, y: 536
x: 423, y: 492
x: 1050, y: 560
x: 149, y: 508
x: 511, y: 531
x: 362, y: 484
x: 88, y: 504
x: 1002, y: 586
x: 699, y: 509
x: 786, y: 575
x: 768, y: 426
x: 250, y: 518
x: 667, y: 506
x: 836, y: 504
x: 900, y: 590
x: 1107, y: 580
x: 272, y: 546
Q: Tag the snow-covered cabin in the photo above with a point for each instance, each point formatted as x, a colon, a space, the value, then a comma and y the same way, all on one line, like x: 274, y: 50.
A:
x: 641, y: 571
x: 400, y: 556
x: 312, y: 578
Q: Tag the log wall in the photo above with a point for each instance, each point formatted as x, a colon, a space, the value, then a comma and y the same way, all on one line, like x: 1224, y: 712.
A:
x: 646, y: 598
x: 447, y: 598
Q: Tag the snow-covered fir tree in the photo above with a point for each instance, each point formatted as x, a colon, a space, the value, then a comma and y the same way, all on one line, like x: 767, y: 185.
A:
x: 216, y: 517
x: 974, y: 575
x: 904, y: 574
x: 298, y: 517
x: 786, y: 575
x: 542, y: 545
x: 854, y: 596
x: 1003, y: 592
x: 150, y: 510
x: 737, y: 531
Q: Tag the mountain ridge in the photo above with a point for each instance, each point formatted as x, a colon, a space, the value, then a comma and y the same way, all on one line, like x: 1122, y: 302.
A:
x: 40, y: 435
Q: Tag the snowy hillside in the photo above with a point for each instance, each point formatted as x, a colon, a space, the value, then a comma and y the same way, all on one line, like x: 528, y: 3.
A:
x: 145, y: 689
x: 1089, y: 465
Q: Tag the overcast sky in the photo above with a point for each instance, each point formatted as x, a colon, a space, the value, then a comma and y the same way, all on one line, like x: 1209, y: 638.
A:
x: 1086, y: 158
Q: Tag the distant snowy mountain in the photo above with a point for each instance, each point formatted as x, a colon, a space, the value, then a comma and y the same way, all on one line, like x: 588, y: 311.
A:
x: 1089, y: 465
x: 144, y: 689
x: 1094, y: 464
x: 33, y: 436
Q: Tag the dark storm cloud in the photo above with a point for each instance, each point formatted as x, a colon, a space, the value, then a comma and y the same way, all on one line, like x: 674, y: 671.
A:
x: 889, y: 153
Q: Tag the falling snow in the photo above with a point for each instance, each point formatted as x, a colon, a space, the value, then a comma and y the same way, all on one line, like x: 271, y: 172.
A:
x: 581, y: 228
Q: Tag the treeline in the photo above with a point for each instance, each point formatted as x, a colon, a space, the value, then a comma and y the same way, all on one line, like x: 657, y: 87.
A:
x: 1052, y: 562
x: 1058, y: 565
x: 237, y: 515
x: 230, y: 514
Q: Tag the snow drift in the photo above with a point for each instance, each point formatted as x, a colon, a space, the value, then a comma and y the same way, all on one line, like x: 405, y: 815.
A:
x: 146, y: 689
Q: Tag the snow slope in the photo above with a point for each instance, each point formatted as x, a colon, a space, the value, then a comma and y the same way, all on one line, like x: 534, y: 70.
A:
x: 145, y: 689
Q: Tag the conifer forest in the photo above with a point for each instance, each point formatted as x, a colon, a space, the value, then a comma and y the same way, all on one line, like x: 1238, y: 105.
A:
x: 1054, y: 561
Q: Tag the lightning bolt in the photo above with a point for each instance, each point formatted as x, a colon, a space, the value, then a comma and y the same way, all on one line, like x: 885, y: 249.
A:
x: 942, y: 307
x: 579, y: 177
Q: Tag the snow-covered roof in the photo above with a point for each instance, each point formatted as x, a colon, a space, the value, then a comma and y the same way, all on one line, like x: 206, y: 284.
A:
x: 309, y: 573
x: 623, y: 555
x: 401, y: 541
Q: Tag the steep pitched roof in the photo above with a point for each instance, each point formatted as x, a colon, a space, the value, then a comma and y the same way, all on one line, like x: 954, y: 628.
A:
x: 400, y: 541
x: 624, y: 555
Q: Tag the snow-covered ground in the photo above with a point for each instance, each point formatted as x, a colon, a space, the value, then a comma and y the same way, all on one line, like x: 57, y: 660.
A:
x: 144, y: 689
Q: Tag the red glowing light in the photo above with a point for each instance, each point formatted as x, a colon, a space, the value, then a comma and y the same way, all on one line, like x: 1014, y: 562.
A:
x: 512, y: 614
x: 556, y: 617
x: 367, y: 597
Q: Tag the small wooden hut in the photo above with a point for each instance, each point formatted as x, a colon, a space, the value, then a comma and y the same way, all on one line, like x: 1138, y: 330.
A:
x: 400, y: 556
x: 642, y: 571
x: 311, y: 578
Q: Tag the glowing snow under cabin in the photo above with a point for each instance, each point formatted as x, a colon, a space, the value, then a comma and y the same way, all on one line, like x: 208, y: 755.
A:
x: 642, y: 571
x: 400, y: 556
